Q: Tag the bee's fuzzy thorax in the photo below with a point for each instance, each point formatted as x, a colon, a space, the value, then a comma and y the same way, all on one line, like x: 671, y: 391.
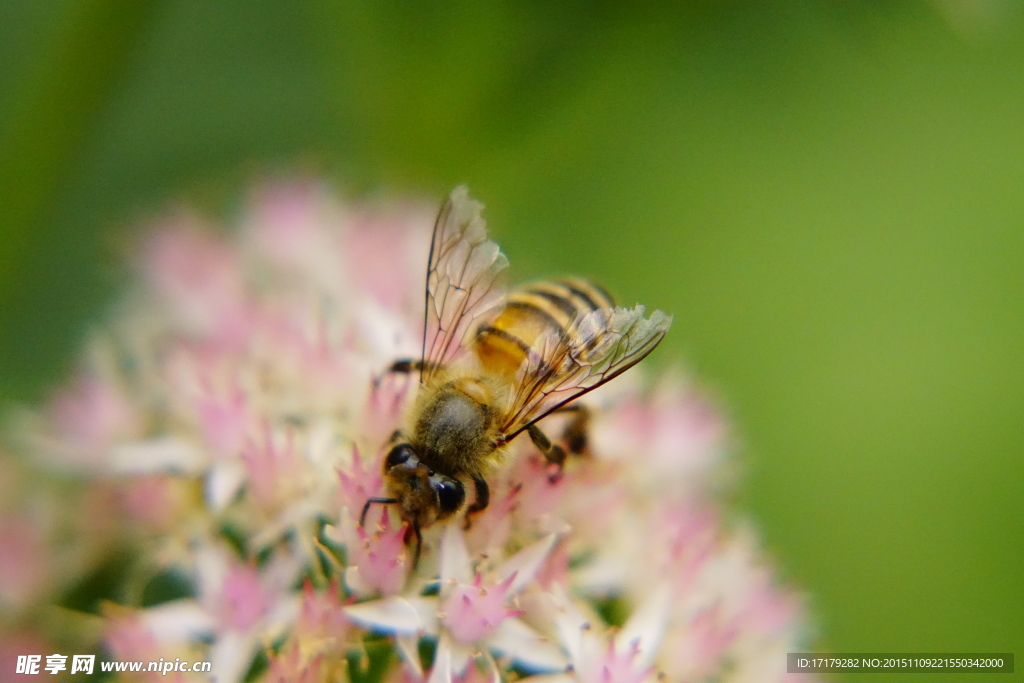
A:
x: 454, y: 432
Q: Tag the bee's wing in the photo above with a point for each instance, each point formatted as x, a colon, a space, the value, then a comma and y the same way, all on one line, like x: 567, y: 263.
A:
x: 601, y: 345
x: 462, y: 278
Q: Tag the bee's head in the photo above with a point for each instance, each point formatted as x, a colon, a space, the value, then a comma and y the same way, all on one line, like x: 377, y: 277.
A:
x: 425, y: 496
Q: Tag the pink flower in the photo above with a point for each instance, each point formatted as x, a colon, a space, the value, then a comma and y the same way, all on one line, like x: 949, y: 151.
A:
x: 615, y: 667
x: 602, y: 655
x: 128, y: 637
x: 93, y: 414
x: 681, y: 436
x: 270, y: 469
x: 359, y: 483
x: 378, y: 560
x: 467, y: 615
x: 243, y: 600
x: 237, y: 412
x: 289, y: 666
x: 473, y: 612
x: 225, y: 420
x: 24, y: 561
x: 199, y: 280
x: 322, y: 613
x: 158, y: 501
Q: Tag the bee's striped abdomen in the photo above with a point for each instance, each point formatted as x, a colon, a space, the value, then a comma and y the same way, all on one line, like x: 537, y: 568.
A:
x: 504, y: 340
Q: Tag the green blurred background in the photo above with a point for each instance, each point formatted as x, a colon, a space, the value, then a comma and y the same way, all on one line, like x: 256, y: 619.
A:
x: 826, y: 195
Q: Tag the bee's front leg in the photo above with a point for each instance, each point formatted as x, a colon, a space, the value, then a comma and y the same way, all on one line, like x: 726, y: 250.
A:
x: 483, y: 499
x: 417, y: 535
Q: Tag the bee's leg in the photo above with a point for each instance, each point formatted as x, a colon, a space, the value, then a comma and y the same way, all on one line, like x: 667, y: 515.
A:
x: 369, y: 502
x: 553, y: 452
x: 419, y: 546
x: 404, y: 366
x: 483, y: 498
x: 575, y: 434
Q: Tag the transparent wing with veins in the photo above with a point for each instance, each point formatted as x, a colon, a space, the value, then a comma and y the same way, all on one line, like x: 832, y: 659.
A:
x: 560, y: 368
x: 463, y: 279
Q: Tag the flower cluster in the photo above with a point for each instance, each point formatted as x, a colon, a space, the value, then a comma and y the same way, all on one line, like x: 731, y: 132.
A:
x: 195, y: 493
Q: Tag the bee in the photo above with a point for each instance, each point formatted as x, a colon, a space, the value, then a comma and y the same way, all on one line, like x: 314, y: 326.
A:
x: 493, y: 364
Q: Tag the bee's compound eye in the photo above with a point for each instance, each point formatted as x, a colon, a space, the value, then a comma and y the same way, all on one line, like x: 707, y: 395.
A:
x: 450, y: 495
x: 398, y: 455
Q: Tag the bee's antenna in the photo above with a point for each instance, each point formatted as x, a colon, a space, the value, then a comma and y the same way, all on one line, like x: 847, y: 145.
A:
x: 370, y: 501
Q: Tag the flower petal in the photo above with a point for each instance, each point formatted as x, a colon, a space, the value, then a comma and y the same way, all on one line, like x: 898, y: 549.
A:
x: 530, y: 650
x: 408, y: 646
x: 459, y: 656
x: 178, y: 621
x: 231, y: 655
x: 223, y: 482
x: 643, y: 631
x: 396, y: 614
x: 526, y: 563
x: 282, y: 615
x: 493, y: 667
x: 441, y: 672
x: 549, y: 678
x: 157, y: 455
x: 454, y: 556
x: 572, y: 625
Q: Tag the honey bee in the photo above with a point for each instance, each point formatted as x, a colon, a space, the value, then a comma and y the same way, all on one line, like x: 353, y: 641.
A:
x: 492, y: 365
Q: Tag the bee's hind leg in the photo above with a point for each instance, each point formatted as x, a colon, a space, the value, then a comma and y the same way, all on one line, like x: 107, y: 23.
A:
x: 575, y: 434
x: 554, y: 453
x: 483, y: 499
